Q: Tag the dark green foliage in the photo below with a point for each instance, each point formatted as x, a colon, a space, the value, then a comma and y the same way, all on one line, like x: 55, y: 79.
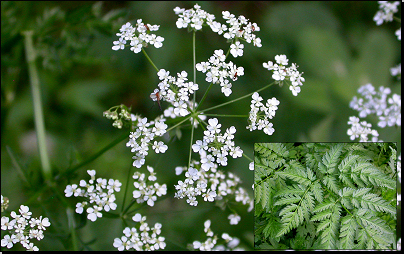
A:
x: 325, y: 196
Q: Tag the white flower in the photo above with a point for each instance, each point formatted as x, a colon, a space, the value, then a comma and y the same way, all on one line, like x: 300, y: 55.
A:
x: 234, y: 219
x: 251, y: 165
x: 119, y: 44
x: 159, y: 147
x: 236, y: 49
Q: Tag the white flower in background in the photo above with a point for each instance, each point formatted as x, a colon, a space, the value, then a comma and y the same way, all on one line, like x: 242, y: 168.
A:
x: 386, y: 12
x: 388, y: 109
x: 361, y: 130
x: 234, y: 219
x: 396, y: 71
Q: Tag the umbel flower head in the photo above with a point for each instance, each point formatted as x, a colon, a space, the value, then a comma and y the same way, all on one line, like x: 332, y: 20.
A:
x: 147, y: 193
x: 387, y: 109
x: 211, y: 242
x: 141, y: 237
x: 143, y: 136
x: 260, y: 114
x: 281, y: 72
x: 210, y: 185
x: 220, y: 72
x: 139, y: 36
x: 22, y: 228
x: 235, y: 30
x: 176, y: 91
x: 215, y: 147
x: 99, y: 194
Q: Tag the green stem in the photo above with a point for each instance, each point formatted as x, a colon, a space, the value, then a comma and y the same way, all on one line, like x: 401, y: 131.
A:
x: 204, y: 96
x: 37, y: 103
x: 172, y: 127
x: 247, y: 157
x: 194, y: 99
x: 95, y: 156
x: 219, y: 115
x: 126, y: 188
x: 235, y: 100
x: 72, y: 227
x: 148, y: 58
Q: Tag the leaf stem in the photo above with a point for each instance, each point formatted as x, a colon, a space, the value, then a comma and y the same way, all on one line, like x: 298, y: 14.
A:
x: 37, y: 104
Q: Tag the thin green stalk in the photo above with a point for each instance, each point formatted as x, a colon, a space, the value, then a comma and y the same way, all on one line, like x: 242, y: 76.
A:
x: 148, y: 58
x: 37, y: 104
x: 126, y: 188
x: 94, y: 156
x: 219, y: 115
x: 247, y: 157
x: 172, y: 127
x: 193, y: 106
x: 72, y: 227
x: 204, y: 96
x: 240, y: 98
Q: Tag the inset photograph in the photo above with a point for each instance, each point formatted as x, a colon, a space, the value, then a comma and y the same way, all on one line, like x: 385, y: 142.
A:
x: 325, y: 196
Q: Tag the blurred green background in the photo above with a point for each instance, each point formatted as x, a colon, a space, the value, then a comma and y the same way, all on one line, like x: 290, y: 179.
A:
x: 336, y: 44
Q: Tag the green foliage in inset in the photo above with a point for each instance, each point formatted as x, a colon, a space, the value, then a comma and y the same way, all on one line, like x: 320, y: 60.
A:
x: 325, y: 196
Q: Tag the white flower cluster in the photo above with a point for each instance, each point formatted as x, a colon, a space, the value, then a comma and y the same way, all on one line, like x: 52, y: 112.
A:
x: 376, y: 103
x: 219, y: 72
x: 142, y: 238
x: 211, y: 241
x: 218, y: 145
x: 139, y: 36
x: 192, y: 18
x: 281, y: 72
x: 176, y: 91
x: 147, y: 193
x: 99, y: 192
x: 361, y: 130
x: 141, y: 138
x: 239, y: 28
x: 386, y: 12
x: 119, y: 118
x: 260, y: 114
x: 212, y: 185
x: 23, y: 228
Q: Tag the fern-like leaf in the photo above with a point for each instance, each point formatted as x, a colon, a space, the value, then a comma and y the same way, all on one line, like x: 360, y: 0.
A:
x: 347, y: 232
x: 330, y: 159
